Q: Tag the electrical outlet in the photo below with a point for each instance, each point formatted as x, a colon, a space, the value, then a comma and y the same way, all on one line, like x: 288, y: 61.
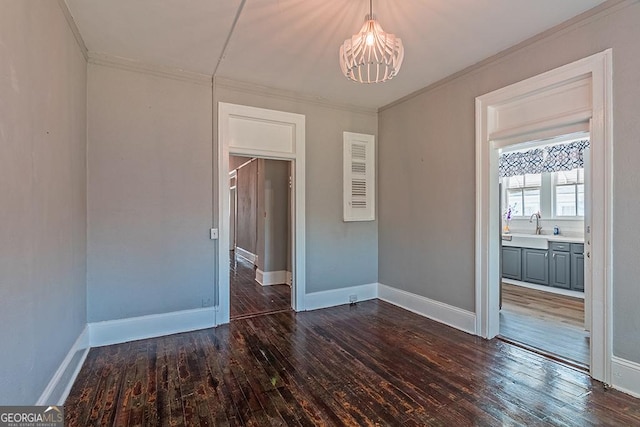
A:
x: 207, y: 302
x: 353, y: 299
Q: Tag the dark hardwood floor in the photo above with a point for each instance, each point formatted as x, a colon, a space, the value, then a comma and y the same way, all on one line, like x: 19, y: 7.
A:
x: 248, y: 297
x: 544, y: 321
x: 369, y: 364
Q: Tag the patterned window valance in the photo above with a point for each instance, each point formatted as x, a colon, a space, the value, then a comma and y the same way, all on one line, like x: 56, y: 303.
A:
x: 562, y: 157
x: 512, y: 164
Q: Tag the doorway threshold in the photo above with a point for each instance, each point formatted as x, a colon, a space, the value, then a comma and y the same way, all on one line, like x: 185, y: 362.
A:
x: 579, y: 366
x: 260, y: 313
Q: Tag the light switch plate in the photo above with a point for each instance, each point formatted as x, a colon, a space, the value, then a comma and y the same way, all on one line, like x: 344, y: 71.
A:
x: 214, y: 234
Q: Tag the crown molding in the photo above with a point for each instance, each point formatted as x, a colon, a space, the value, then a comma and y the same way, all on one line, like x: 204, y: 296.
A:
x: 74, y: 28
x: 258, y: 89
x: 604, y: 9
x: 151, y: 69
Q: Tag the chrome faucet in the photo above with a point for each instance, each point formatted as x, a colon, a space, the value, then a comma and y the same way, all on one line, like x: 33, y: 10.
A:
x: 537, y: 216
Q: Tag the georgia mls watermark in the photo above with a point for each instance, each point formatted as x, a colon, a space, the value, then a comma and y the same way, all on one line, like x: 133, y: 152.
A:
x: 31, y: 416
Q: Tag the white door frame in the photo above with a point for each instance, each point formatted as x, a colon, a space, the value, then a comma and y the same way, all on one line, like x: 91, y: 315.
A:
x: 233, y: 207
x: 269, y: 134
x: 531, y: 110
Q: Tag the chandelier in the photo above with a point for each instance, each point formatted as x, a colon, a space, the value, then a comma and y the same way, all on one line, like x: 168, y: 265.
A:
x: 371, y: 56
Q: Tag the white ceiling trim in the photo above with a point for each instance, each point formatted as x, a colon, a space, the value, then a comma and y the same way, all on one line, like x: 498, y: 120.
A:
x: 257, y: 89
x: 74, y: 28
x: 155, y: 70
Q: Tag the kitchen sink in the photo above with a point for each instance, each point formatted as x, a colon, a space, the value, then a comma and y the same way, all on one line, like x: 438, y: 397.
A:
x: 534, y: 241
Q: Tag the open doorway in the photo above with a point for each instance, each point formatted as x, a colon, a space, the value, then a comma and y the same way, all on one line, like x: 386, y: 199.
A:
x: 265, y: 134
x: 543, y: 211
x: 260, y: 257
x: 573, y: 98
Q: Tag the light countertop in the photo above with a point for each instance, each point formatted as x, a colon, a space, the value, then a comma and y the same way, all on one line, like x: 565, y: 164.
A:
x: 548, y: 237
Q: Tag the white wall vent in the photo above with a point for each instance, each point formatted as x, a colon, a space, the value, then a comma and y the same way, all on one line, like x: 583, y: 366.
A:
x: 359, y: 177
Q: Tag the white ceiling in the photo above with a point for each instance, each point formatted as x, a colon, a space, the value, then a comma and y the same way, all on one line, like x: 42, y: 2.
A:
x: 293, y: 44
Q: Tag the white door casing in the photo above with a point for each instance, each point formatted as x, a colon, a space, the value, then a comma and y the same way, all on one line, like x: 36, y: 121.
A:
x: 573, y: 98
x: 588, y: 206
x: 233, y: 214
x: 270, y: 134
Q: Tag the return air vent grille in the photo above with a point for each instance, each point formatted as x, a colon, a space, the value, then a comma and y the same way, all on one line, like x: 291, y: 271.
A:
x: 359, y: 185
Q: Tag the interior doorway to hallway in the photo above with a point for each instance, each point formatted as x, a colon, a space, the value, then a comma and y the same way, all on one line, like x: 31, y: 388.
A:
x: 267, y: 134
x: 260, y: 231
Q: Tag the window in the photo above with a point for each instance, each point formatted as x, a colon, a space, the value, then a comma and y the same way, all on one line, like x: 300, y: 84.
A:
x: 569, y: 193
x: 523, y: 194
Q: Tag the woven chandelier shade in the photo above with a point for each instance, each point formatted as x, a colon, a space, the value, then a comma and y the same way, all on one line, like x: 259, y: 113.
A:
x: 371, y: 56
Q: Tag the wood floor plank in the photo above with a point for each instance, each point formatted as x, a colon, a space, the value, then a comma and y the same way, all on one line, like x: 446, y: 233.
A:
x: 549, y: 322
x: 173, y: 410
x: 250, y: 298
x: 285, y: 408
x: 372, y: 364
x: 212, y: 350
x: 544, y: 305
x: 312, y: 408
x: 414, y: 386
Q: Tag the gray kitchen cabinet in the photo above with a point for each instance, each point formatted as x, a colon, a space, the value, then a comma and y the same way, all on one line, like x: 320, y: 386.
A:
x: 511, y: 263
x: 535, y: 266
x: 577, y: 267
x: 560, y: 265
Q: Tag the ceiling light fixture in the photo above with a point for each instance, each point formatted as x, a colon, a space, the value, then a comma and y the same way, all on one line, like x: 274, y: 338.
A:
x: 371, y: 56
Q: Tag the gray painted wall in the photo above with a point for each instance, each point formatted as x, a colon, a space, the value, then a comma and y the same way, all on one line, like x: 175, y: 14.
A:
x: 42, y: 192
x: 338, y: 254
x: 149, y: 194
x: 427, y: 172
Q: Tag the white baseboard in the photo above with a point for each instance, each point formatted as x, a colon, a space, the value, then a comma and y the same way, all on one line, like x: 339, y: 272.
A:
x: 289, y: 280
x: 66, y: 373
x: 268, y: 278
x: 118, y: 331
x: 246, y: 254
x: 340, y: 296
x: 625, y: 376
x: 154, y: 325
x: 440, y: 312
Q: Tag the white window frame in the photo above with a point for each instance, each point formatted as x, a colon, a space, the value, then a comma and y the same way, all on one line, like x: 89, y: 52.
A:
x: 555, y: 185
x: 524, y: 187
